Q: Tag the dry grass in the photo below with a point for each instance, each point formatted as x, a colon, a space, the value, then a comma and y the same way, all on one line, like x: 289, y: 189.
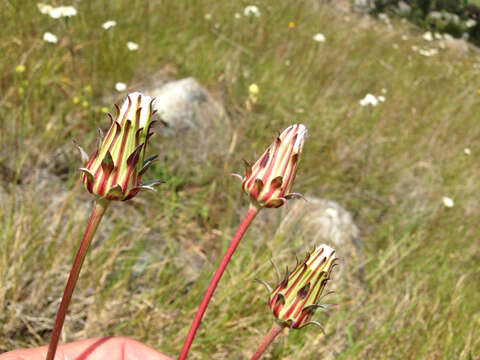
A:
x: 389, y: 165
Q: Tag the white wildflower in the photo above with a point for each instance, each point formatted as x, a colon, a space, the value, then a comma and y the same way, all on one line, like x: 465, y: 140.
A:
x: 251, y: 10
x: 319, y: 37
x: 49, y: 37
x: 470, y: 23
x: 109, y: 24
x: 208, y: 16
x: 448, y: 202
x: 467, y: 151
x: 428, y: 52
x: 120, y: 86
x: 44, y: 8
x: 404, y: 37
x: 132, y: 46
x: 438, y: 36
x: 237, y: 15
x: 428, y: 36
x: 369, y: 99
x: 381, y: 98
x: 384, y: 91
x: 68, y: 11
x: 62, y: 11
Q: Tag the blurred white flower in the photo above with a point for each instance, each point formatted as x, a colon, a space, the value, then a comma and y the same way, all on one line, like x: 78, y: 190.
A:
x: 237, y: 15
x: 109, y: 24
x: 44, y: 8
x: 381, y: 98
x: 132, y: 46
x: 428, y: 36
x: 57, y: 12
x: 251, y: 10
x: 448, y: 202
x: 68, y: 11
x: 208, y: 16
x: 404, y: 37
x: 384, y: 91
x: 428, y: 52
x: 438, y: 36
x: 49, y: 37
x: 383, y: 17
x: 470, y: 23
x: 369, y: 99
x: 467, y: 151
x: 120, y: 86
x: 395, y: 46
x: 319, y: 37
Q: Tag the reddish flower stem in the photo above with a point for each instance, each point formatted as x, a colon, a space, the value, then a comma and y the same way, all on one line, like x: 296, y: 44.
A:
x: 267, y: 340
x: 247, y: 220
x: 97, y: 213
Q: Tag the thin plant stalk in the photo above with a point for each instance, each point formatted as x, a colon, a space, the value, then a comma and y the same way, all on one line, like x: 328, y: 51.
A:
x: 267, y: 340
x: 98, y: 210
x: 247, y: 220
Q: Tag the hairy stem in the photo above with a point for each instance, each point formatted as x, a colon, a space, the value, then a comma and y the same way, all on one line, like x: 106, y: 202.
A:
x: 267, y: 340
x: 247, y: 220
x: 97, y: 213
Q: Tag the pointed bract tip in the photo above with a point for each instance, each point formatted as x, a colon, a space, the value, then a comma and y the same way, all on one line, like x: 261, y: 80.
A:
x: 83, y: 153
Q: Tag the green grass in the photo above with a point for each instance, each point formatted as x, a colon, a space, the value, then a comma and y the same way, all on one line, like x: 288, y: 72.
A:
x: 389, y: 166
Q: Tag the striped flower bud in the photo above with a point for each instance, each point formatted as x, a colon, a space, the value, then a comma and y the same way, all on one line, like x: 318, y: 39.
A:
x: 296, y: 297
x: 115, y: 169
x: 270, y: 179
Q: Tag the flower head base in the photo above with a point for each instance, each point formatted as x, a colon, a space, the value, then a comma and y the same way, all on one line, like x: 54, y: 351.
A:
x: 296, y: 297
x: 270, y: 179
x: 115, y: 169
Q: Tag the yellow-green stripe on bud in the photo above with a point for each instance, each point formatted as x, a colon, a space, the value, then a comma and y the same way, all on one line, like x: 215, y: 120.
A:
x: 270, y: 179
x: 297, y: 296
x: 115, y: 169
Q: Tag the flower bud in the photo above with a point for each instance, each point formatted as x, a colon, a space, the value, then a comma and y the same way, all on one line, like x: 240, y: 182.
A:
x: 115, y: 169
x: 270, y: 179
x: 296, y: 297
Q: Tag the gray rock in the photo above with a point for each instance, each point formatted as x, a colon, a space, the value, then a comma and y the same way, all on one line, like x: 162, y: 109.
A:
x: 460, y: 46
x: 185, y: 106
x: 316, y: 221
x: 404, y: 8
x: 191, y: 121
x: 320, y: 221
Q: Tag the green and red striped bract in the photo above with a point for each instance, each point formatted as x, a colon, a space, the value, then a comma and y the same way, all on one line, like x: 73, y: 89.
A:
x: 296, y: 297
x: 270, y: 179
x: 115, y: 169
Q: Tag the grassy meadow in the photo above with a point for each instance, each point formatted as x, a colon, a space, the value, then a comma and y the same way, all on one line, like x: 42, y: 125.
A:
x: 390, y: 165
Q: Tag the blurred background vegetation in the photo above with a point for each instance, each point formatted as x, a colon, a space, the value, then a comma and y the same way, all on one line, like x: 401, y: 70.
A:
x: 390, y: 165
